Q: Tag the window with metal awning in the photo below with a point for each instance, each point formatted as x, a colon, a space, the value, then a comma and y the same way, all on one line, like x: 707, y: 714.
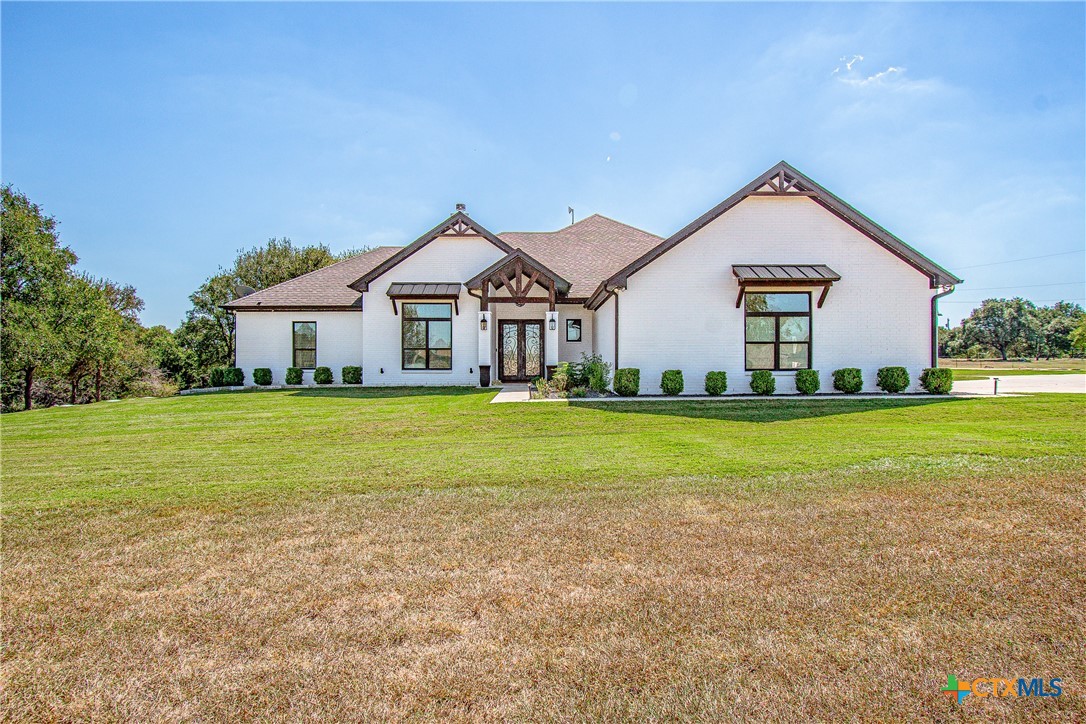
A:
x: 449, y: 291
x: 765, y: 276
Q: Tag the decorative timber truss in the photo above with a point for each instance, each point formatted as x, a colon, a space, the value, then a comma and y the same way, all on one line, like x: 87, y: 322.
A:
x: 517, y: 273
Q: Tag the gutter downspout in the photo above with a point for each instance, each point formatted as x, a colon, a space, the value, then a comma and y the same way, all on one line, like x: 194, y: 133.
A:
x: 935, y: 324
x: 616, y: 328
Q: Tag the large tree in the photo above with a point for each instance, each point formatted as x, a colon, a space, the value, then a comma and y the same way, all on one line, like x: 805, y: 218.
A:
x: 1054, y: 327
x: 1001, y: 324
x: 36, y: 269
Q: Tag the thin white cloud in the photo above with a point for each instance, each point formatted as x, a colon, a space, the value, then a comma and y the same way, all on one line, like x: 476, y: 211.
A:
x: 849, y: 62
x: 616, y: 136
x: 883, y: 76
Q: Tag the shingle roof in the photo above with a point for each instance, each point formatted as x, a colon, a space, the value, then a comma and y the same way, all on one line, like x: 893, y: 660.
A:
x: 584, y: 254
x: 325, y: 287
x: 587, y: 252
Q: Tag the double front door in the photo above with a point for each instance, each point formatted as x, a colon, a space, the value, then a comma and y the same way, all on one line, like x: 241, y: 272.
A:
x: 520, y: 350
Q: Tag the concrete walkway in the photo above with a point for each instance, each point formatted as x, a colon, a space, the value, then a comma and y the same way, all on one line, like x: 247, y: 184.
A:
x: 1024, y: 384
x: 512, y: 393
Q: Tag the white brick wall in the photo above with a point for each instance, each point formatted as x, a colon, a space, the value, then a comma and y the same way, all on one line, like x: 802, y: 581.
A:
x: 446, y: 259
x: 266, y: 339
x: 679, y: 311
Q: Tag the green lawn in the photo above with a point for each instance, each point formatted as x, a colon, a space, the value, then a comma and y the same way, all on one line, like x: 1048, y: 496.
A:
x: 387, y: 554
x: 962, y: 375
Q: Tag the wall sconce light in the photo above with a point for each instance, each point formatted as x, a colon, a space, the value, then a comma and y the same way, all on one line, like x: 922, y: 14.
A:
x: 482, y: 324
x: 553, y: 324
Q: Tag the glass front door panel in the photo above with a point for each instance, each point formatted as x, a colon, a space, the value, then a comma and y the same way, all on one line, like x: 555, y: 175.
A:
x: 533, y: 358
x: 509, y: 350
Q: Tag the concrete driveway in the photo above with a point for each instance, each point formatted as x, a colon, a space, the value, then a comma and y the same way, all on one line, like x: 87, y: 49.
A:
x: 1024, y: 384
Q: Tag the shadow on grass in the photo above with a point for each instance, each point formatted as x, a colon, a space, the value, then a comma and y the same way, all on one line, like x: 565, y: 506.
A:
x: 369, y: 393
x: 761, y: 409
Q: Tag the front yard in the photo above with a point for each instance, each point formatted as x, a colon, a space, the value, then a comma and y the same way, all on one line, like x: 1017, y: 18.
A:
x: 357, y: 553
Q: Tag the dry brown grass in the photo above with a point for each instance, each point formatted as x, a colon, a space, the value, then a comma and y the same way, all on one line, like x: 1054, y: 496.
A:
x: 801, y: 598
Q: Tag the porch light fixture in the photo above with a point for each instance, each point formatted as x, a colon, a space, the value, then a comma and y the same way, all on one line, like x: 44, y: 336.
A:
x: 553, y: 324
x: 482, y: 324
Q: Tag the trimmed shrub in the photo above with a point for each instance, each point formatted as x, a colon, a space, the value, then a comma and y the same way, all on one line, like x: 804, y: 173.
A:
x: 560, y: 380
x: 322, y: 376
x: 294, y: 375
x: 762, y: 382
x: 807, y: 382
x: 351, y: 375
x: 672, y: 382
x: 233, y: 377
x: 716, y: 383
x: 262, y: 376
x: 596, y: 372
x: 628, y: 381
x: 937, y: 381
x: 892, y: 379
x: 577, y: 375
x: 217, y: 377
x: 848, y: 380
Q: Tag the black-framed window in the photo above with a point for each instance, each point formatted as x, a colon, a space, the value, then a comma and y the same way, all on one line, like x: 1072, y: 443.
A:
x: 305, y: 345
x: 573, y: 330
x: 427, y: 336
x: 778, y: 331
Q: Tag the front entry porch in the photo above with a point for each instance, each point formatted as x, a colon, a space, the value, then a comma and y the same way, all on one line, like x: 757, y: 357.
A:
x: 520, y: 350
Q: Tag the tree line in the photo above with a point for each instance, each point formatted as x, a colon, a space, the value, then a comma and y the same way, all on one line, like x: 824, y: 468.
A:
x: 68, y: 337
x: 1006, y: 328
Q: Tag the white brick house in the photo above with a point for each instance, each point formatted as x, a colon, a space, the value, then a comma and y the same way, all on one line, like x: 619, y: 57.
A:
x: 782, y: 275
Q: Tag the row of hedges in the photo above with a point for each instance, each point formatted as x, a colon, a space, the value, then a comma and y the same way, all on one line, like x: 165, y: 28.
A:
x: 848, y: 380
x: 235, y: 376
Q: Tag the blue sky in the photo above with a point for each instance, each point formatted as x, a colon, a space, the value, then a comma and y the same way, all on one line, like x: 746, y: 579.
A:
x: 165, y: 137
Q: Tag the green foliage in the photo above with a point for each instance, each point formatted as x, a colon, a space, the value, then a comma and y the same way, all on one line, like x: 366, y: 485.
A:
x: 807, y: 382
x: 892, y: 379
x: 671, y: 382
x: 262, y: 376
x: 217, y: 377
x: 578, y: 392
x: 937, y: 381
x: 176, y: 363
x: 716, y: 383
x: 542, y: 388
x: 233, y: 377
x: 294, y: 375
x: 322, y: 376
x: 596, y: 372
x: 762, y: 382
x: 560, y: 380
x: 1078, y: 336
x: 628, y: 381
x: 848, y: 380
x: 351, y: 375
x: 1000, y: 323
x: 36, y: 269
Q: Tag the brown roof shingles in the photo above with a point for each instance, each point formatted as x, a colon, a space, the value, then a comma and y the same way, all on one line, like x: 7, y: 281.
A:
x: 587, y: 252
x: 325, y: 287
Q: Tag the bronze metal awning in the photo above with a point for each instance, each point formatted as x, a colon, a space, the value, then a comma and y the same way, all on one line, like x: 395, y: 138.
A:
x: 424, y: 290
x: 787, y: 275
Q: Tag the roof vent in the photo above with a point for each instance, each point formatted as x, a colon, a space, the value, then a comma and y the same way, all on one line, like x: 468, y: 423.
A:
x: 462, y: 208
